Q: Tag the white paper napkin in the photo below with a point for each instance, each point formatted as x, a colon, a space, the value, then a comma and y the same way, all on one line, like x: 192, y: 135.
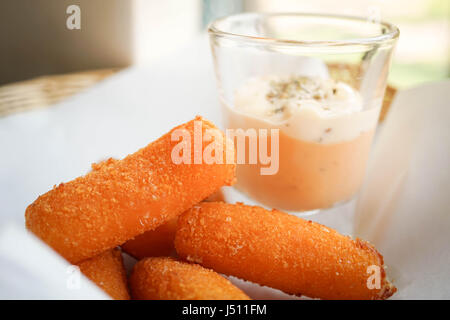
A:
x: 404, y: 207
x: 29, y: 269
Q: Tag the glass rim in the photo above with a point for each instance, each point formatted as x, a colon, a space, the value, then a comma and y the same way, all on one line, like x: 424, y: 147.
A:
x: 392, y: 34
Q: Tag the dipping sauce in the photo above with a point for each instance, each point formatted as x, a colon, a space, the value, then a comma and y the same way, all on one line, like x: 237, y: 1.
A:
x: 325, y: 134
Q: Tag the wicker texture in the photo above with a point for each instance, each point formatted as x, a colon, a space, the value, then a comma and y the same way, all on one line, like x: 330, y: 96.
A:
x: 44, y: 91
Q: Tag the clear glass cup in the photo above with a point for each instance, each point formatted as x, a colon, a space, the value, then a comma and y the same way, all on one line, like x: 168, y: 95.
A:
x: 319, y: 81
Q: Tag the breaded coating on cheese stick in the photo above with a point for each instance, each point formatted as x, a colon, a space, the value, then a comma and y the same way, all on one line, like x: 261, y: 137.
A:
x: 279, y: 250
x: 121, y: 199
x: 164, y: 278
x: 108, y: 272
x: 159, y: 242
x: 153, y: 243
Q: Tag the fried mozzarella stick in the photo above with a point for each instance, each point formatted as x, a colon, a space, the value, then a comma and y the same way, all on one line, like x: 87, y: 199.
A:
x: 153, y: 243
x: 121, y: 199
x: 167, y: 279
x: 279, y: 250
x: 159, y: 242
x: 108, y: 272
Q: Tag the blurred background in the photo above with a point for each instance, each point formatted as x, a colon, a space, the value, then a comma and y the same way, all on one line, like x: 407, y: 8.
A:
x: 119, y: 33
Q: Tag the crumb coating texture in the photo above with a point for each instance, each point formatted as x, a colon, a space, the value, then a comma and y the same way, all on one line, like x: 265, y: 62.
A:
x: 153, y: 243
x: 120, y: 199
x: 108, y: 272
x: 279, y: 250
x: 168, y: 279
x: 159, y: 242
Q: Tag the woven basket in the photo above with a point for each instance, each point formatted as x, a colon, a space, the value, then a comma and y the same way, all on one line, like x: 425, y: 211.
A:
x: 44, y: 91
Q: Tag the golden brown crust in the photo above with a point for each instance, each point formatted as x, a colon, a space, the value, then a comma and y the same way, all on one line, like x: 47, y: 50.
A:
x: 168, y: 279
x: 108, y: 272
x: 159, y: 242
x: 279, y: 250
x: 121, y: 199
x: 153, y: 243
